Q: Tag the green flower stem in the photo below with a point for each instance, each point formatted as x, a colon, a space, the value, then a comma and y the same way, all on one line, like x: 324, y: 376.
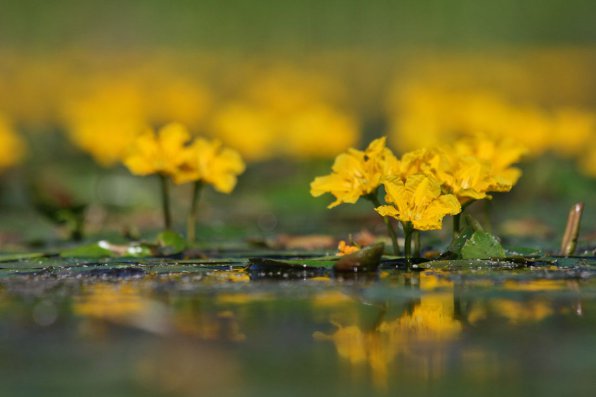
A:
x: 165, y: 201
x: 457, y: 218
x: 390, y: 230
x: 456, y: 224
x: 416, y: 243
x: 486, y: 214
x: 191, y: 221
x: 408, y: 231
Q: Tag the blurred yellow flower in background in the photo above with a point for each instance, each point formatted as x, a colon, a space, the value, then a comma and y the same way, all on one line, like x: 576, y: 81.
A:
x: 573, y: 129
x: 12, y: 147
x: 162, y: 153
x: 106, y: 122
x: 285, y: 113
x: 419, y: 200
x: 209, y: 162
x: 319, y: 131
x: 588, y: 160
x: 247, y: 128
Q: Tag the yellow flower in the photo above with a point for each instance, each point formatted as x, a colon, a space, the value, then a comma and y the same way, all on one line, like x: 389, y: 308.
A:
x: 464, y: 176
x: 161, y: 153
x: 427, y: 161
x: 467, y: 178
x: 12, y: 148
x: 210, y: 162
x: 418, y: 200
x: 355, y: 173
x: 498, y: 155
x: 344, y: 248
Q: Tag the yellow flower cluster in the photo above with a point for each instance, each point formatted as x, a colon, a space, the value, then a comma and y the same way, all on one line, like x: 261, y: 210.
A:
x: 425, y: 185
x: 12, y: 148
x: 470, y: 168
x: 411, y: 196
x: 174, y: 153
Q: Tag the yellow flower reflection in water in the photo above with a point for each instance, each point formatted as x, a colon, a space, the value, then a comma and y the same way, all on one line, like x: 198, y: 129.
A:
x: 527, y: 310
x: 122, y: 304
x: 431, y: 321
x: 416, y: 342
x: 116, y: 302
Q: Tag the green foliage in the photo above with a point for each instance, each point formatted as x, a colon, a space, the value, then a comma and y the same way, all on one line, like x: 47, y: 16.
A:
x: 94, y: 250
x: 170, y: 242
x: 482, y: 245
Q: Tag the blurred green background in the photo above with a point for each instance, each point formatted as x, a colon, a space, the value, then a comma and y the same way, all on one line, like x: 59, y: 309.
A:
x: 295, y: 26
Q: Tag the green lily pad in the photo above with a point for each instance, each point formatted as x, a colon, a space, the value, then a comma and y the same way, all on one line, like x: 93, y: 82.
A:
x: 460, y: 240
x: 21, y: 256
x: 171, y: 242
x: 94, y: 250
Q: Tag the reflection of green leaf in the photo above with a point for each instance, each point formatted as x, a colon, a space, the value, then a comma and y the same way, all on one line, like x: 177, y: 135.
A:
x: 524, y: 251
x: 171, y: 242
x: 87, y: 251
x: 295, y: 263
x: 475, y: 264
x: 482, y: 245
x: 21, y: 256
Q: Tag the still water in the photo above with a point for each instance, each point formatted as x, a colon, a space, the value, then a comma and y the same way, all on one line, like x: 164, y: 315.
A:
x: 193, y: 330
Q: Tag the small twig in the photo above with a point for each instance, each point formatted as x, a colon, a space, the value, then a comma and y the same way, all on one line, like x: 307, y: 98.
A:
x: 571, y: 235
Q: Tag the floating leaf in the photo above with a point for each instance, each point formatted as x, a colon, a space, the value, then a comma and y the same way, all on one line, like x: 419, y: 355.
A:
x: 171, y: 242
x: 365, y: 260
x: 22, y: 256
x: 94, y: 250
x: 482, y: 245
x: 460, y: 240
